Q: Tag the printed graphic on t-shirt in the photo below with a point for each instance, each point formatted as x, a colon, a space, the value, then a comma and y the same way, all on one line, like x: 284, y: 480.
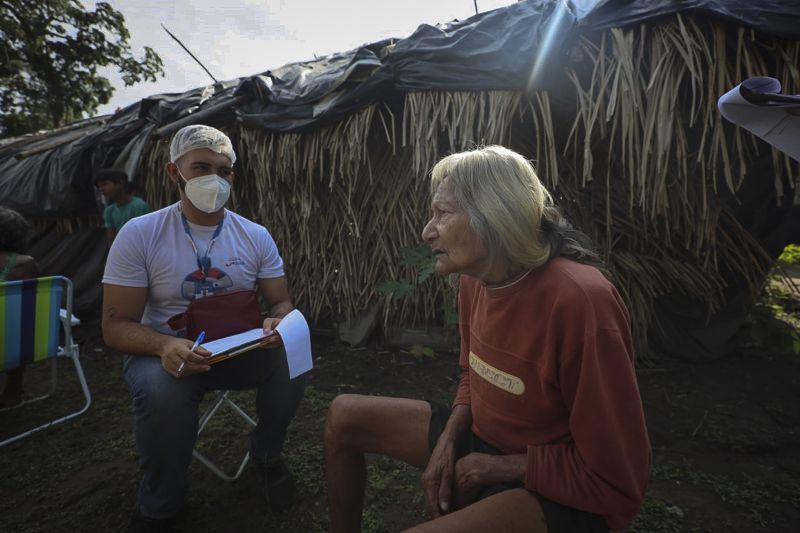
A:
x: 234, y: 261
x: 498, y: 378
x: 196, y: 285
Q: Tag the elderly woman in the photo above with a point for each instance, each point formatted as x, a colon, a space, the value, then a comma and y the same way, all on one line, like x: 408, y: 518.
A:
x: 15, y: 233
x: 546, y: 432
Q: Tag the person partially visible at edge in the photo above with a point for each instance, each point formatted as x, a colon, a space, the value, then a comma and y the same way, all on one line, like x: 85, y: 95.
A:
x: 121, y: 204
x: 15, y: 234
x: 159, y: 263
x: 547, y: 431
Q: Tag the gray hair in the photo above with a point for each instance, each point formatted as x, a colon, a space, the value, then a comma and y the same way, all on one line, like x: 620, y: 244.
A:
x: 510, y: 209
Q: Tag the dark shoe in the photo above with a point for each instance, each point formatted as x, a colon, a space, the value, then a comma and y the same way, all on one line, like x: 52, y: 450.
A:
x: 278, y: 483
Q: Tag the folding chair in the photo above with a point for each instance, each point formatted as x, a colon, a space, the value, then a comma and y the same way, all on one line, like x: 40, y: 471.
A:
x: 221, y: 399
x: 30, y: 316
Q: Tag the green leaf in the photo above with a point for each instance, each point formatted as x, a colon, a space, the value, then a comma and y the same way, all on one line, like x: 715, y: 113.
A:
x: 427, y: 269
x: 417, y: 256
x: 419, y: 351
x: 396, y: 289
x: 451, y: 315
x: 790, y: 255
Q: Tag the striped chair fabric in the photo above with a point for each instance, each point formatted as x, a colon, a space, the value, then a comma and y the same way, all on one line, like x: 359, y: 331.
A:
x: 29, y: 320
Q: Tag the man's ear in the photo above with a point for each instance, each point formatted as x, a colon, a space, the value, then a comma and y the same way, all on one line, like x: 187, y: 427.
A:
x: 172, y: 172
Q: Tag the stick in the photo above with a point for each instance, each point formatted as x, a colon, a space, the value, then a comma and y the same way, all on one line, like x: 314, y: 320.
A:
x: 705, y: 414
x: 190, y: 53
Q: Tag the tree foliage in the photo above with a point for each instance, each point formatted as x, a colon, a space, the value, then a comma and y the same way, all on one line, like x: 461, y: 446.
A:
x: 50, y: 53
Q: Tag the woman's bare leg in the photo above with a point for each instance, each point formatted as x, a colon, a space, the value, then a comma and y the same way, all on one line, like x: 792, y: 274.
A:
x: 506, y: 512
x: 357, y: 425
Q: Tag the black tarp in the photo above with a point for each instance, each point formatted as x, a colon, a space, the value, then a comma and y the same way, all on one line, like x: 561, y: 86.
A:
x: 53, y: 182
x: 80, y: 256
x: 304, y: 94
x: 779, y: 18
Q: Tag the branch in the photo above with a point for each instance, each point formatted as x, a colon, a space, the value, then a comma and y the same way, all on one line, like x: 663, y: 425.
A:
x: 190, y: 53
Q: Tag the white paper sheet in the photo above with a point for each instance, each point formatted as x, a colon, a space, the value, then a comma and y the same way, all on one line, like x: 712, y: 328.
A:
x: 234, y: 341
x: 297, y: 342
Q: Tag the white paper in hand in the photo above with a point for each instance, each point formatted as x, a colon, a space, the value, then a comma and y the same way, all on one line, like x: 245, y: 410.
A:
x: 297, y: 343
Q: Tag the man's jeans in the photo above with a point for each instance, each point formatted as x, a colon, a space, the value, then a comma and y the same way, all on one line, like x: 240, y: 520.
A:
x: 165, y: 411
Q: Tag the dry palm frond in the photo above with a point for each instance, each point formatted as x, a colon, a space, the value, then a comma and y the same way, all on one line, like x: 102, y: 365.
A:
x: 444, y: 122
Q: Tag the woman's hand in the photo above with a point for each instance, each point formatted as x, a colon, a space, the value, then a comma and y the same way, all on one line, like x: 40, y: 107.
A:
x: 437, y: 478
x: 477, y: 470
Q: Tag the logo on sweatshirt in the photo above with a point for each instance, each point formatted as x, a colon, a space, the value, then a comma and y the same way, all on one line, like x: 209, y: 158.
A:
x: 498, y: 378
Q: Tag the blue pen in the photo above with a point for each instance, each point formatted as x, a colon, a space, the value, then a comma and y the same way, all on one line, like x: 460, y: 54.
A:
x: 199, y: 340
x: 194, y: 347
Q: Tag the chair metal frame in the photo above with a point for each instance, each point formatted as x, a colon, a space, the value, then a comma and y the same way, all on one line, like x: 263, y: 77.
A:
x: 221, y: 399
x: 70, y: 350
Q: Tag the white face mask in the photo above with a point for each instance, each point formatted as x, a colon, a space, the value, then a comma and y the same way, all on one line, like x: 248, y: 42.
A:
x: 207, y: 193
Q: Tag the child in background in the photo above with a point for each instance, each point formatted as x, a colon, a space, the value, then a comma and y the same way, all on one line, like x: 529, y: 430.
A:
x: 122, y: 205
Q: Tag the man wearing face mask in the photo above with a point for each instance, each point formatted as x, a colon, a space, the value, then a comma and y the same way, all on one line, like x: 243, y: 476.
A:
x: 159, y: 263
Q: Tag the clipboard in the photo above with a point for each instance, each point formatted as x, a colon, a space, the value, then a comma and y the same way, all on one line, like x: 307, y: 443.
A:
x: 233, y: 345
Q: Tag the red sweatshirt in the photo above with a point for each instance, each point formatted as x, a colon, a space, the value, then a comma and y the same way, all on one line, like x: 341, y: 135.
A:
x: 548, y: 371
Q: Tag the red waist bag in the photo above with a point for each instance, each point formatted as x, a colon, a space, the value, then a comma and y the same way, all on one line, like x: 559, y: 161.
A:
x: 219, y: 315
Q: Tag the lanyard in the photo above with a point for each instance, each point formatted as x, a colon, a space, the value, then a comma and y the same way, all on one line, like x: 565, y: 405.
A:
x: 203, y: 263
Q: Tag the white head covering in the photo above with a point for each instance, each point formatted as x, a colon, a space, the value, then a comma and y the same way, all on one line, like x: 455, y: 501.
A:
x: 199, y: 136
x: 757, y: 105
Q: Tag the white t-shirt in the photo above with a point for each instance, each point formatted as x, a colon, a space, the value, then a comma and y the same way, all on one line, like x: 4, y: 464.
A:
x: 154, y: 251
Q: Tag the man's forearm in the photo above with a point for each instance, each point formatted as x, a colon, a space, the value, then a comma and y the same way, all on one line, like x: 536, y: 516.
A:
x: 133, y: 338
x: 281, y: 309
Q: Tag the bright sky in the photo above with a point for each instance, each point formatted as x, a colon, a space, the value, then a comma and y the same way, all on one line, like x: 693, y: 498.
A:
x: 244, y: 37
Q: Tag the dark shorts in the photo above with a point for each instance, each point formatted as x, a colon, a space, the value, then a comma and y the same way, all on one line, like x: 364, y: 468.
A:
x: 559, y: 518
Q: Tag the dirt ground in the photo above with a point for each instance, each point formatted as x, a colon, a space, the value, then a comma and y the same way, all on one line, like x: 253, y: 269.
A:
x: 726, y: 440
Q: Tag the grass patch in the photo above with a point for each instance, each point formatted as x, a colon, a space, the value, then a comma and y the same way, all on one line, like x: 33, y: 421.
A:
x: 657, y: 516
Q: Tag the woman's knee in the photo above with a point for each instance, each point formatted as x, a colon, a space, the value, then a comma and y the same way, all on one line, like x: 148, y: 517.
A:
x: 397, y: 427
x: 343, y: 417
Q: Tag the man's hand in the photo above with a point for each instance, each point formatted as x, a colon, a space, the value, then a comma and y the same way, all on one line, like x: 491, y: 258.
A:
x: 274, y: 340
x: 275, y: 292
x: 437, y: 478
x: 178, y: 359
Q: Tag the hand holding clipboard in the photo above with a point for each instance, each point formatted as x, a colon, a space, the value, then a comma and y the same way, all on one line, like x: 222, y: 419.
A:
x: 292, y: 332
